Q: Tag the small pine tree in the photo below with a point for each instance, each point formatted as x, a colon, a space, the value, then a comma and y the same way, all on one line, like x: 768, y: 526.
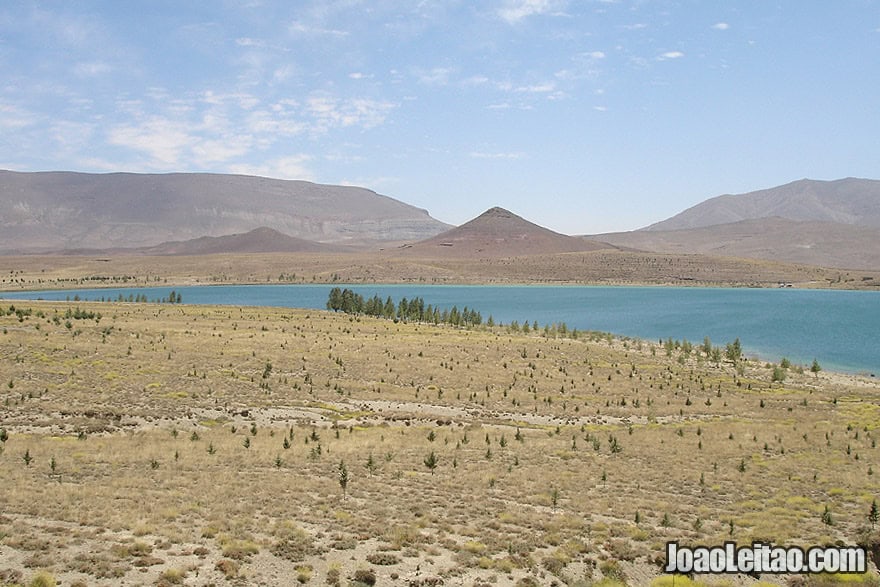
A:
x: 827, y: 519
x: 431, y: 461
x: 343, y: 478
x: 371, y: 464
x: 815, y: 368
x: 778, y: 374
x: 873, y: 514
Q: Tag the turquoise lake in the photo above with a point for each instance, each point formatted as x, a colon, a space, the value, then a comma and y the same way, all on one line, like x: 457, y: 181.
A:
x: 839, y: 328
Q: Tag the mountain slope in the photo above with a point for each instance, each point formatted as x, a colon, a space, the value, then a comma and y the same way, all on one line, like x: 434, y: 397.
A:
x: 846, y: 201
x: 259, y: 240
x: 60, y: 210
x: 499, y: 233
x: 826, y: 244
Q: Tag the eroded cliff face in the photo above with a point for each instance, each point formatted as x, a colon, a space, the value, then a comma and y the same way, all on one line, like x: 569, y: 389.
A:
x: 60, y: 210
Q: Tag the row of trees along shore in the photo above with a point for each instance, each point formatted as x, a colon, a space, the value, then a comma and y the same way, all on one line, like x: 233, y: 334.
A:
x: 413, y: 309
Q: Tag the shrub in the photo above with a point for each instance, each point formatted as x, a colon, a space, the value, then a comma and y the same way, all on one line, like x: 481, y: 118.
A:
x: 383, y: 558
x: 364, y: 577
x: 294, y: 548
x: 553, y: 564
x: 42, y: 579
x: 304, y: 574
x: 611, y: 570
x: 240, y: 549
x: 172, y: 577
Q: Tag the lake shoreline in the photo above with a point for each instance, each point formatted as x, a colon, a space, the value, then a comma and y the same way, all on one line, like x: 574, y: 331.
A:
x: 625, y: 311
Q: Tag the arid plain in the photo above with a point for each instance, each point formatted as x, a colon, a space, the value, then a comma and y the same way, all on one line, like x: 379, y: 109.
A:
x: 173, y: 444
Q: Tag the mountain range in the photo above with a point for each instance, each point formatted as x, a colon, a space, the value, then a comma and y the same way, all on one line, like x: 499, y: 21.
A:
x: 823, y: 223
x: 843, y: 201
x: 64, y: 210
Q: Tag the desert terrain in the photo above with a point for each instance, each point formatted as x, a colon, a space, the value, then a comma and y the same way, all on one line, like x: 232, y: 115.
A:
x: 164, y: 444
x: 605, y: 267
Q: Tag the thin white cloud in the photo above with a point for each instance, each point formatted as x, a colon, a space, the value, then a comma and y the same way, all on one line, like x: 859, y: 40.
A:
x: 584, y: 66
x: 542, y: 88
x: 720, y: 26
x: 218, y: 151
x: 374, y: 182
x: 13, y: 117
x: 214, y: 130
x: 163, y: 140
x: 283, y: 74
x: 438, y: 76
x: 331, y: 112
x: 91, y: 69
x: 485, y: 155
x: 277, y: 123
x: 670, y: 55
x: 516, y: 10
x: 301, y: 28
x: 72, y: 136
x: 249, y: 42
x: 289, y: 167
x: 476, y: 80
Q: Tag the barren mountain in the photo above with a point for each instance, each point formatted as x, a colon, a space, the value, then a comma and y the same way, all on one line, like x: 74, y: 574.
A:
x: 824, y: 223
x: 845, y: 201
x: 259, y: 240
x: 499, y: 233
x: 63, y: 210
x: 826, y: 244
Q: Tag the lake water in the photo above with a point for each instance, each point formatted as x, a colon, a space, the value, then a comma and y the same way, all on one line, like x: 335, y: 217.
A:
x: 839, y: 328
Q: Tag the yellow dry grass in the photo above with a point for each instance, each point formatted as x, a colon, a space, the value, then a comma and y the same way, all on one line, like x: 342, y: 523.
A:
x: 199, y: 445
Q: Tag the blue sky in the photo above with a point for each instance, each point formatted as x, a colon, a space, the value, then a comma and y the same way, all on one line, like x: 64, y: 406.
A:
x: 583, y: 116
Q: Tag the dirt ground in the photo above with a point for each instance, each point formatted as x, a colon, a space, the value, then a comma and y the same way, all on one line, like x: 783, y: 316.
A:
x: 161, y: 444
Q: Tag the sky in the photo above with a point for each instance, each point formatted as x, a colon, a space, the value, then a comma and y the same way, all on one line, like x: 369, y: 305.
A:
x: 583, y: 116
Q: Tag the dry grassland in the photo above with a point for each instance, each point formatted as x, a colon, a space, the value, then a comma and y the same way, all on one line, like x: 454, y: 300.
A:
x: 162, y: 445
x: 596, y: 267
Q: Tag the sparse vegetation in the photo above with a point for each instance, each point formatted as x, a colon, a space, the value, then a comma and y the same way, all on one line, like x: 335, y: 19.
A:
x: 559, y: 450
